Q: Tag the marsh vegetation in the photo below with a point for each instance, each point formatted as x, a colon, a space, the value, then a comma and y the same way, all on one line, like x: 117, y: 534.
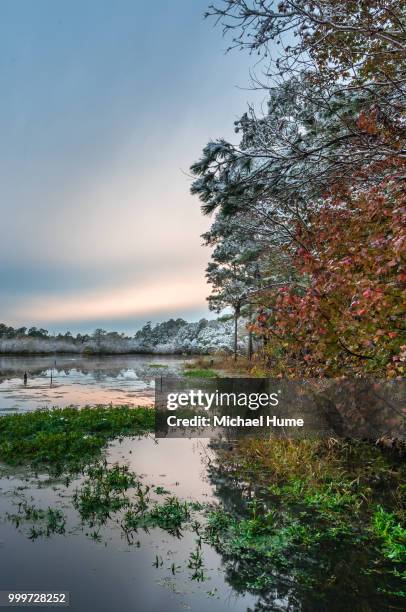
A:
x: 289, y: 525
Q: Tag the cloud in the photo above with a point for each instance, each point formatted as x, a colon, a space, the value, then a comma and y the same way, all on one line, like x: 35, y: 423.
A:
x: 102, y: 108
x: 159, y: 295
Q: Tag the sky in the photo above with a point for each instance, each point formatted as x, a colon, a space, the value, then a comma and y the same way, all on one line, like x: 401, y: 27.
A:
x: 104, y: 106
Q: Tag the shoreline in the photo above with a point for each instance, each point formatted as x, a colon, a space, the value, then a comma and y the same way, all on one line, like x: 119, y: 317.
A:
x: 100, y: 354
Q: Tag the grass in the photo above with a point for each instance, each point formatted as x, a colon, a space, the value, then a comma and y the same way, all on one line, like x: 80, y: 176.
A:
x: 200, y: 373
x: 44, y: 522
x: 307, y: 504
x: 67, y: 438
x: 387, y: 528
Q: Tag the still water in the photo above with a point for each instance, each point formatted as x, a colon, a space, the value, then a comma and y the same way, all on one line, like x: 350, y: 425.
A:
x: 111, y: 574
x: 80, y: 381
x: 115, y: 574
x: 153, y: 572
x: 108, y: 574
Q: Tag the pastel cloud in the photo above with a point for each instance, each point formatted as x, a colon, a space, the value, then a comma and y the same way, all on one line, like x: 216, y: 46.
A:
x: 156, y: 296
x: 104, y: 106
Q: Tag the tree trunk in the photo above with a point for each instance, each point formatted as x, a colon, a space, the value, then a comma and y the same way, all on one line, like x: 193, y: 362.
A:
x: 250, y: 334
x: 236, y: 313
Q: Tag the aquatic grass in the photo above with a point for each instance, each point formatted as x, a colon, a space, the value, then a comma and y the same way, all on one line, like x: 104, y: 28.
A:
x: 200, y: 373
x: 301, y: 511
x: 44, y: 522
x: 387, y: 528
x: 67, y: 438
x: 109, y: 490
x: 161, y: 491
x: 196, y: 564
x: 270, y: 535
x: 103, y: 492
x: 170, y: 515
x: 305, y: 503
x: 327, y: 474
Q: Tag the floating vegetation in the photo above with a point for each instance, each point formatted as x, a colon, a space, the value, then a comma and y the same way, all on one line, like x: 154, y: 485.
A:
x: 171, y: 515
x: 200, y: 373
x: 158, y: 561
x: 103, y: 492
x: 293, y: 517
x: 67, y: 439
x: 108, y: 490
x: 161, y: 491
x: 44, y: 523
x: 108, y: 493
x: 196, y: 564
x: 302, y: 506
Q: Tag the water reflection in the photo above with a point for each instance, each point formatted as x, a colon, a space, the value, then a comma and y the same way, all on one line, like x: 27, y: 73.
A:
x: 339, y: 575
x: 151, y: 572
x: 75, y: 380
x: 111, y: 574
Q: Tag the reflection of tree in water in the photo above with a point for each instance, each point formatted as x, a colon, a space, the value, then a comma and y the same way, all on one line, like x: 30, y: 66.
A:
x: 242, y: 572
x: 310, y: 577
x: 98, y: 374
x: 98, y: 368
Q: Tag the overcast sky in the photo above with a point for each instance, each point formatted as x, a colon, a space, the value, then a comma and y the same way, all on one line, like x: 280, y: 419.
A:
x: 104, y: 105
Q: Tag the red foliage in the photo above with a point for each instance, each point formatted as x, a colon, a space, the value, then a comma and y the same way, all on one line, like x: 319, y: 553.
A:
x: 348, y: 316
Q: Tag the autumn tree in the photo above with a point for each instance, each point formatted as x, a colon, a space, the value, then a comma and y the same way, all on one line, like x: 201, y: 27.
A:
x: 320, y: 175
x: 352, y: 316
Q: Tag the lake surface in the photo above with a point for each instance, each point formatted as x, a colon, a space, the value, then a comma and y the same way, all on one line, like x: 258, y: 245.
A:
x: 152, y: 573
x: 111, y: 574
x: 64, y: 380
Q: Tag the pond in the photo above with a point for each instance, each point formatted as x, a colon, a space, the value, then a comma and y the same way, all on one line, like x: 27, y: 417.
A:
x: 278, y: 558
x: 111, y: 573
x: 104, y: 569
x: 64, y: 380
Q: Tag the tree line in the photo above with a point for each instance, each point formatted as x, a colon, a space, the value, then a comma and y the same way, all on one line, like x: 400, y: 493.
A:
x: 308, y: 208
x: 9, y: 332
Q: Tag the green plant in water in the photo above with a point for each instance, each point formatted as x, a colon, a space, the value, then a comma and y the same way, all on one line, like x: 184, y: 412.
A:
x: 309, y: 500
x: 103, y: 492
x: 386, y: 526
x: 67, y: 439
x: 196, y: 564
x: 170, y: 516
x: 161, y: 491
x: 158, y: 561
x: 200, y: 373
x: 45, y: 522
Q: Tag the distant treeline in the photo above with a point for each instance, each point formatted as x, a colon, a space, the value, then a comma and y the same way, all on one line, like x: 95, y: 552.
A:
x: 7, y: 331
x: 175, y: 336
